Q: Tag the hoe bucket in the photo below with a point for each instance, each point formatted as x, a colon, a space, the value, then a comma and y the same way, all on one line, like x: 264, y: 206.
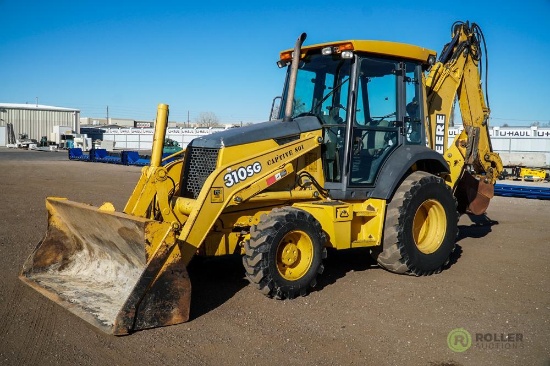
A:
x: 473, y: 195
x: 118, y: 272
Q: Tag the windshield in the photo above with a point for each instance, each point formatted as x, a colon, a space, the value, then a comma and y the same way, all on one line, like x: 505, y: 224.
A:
x: 322, y: 86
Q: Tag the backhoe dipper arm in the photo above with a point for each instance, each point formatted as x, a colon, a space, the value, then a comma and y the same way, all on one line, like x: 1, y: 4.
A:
x: 474, y: 166
x: 458, y: 73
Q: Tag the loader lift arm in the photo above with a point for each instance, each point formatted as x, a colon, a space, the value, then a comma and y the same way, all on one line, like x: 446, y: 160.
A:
x: 155, y: 186
x: 458, y: 74
x: 202, y: 213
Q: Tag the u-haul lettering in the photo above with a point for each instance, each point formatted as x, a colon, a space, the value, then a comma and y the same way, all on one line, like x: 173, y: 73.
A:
x: 439, y: 133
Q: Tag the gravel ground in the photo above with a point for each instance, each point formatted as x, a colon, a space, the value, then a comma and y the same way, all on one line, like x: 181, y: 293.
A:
x: 359, y: 314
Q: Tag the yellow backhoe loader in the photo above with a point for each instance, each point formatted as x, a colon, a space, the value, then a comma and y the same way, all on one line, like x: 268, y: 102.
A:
x: 358, y: 157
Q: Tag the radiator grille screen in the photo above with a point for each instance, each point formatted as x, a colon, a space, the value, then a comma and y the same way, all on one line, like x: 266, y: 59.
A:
x: 201, y: 162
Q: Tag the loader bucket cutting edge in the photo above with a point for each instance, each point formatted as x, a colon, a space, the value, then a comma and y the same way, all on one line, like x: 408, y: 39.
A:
x: 118, y: 272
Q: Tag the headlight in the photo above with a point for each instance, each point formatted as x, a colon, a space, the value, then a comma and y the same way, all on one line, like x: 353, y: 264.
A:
x: 347, y: 54
x: 327, y: 51
x: 282, y: 64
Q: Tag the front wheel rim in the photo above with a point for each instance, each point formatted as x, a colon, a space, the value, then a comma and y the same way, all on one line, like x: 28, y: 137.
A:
x: 294, y: 255
x: 429, y: 226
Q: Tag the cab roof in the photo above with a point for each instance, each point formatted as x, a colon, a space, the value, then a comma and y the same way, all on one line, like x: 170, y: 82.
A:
x: 383, y: 48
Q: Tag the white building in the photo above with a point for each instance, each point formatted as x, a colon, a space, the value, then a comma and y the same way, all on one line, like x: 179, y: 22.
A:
x: 36, y: 120
x: 518, y: 146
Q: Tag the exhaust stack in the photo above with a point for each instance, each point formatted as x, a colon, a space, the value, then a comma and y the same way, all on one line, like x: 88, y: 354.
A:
x: 293, y: 73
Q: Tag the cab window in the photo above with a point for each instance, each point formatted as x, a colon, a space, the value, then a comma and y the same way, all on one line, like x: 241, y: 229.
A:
x: 375, y: 131
x: 413, y: 118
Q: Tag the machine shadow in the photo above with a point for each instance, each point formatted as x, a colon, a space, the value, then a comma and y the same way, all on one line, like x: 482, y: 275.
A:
x: 340, y: 262
x: 215, y: 280
x: 480, y: 226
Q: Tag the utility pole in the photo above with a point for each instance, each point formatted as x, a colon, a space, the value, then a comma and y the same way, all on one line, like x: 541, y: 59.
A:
x: 188, y: 118
x: 107, y: 115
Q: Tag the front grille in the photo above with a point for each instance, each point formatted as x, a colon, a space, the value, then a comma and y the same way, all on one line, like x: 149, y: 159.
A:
x: 200, y: 163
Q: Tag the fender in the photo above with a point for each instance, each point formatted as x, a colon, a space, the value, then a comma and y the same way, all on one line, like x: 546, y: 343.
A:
x: 400, y: 161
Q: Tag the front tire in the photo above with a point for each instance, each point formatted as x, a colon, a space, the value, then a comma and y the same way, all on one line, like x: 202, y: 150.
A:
x: 420, y: 228
x: 285, y: 253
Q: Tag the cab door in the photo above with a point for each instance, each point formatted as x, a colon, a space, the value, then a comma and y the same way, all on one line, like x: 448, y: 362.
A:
x: 378, y: 119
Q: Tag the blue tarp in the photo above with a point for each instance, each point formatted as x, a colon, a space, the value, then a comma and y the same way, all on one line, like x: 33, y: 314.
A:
x: 102, y: 156
x: 508, y: 190
x: 97, y: 155
x: 133, y: 158
x: 124, y: 157
x: 76, y: 153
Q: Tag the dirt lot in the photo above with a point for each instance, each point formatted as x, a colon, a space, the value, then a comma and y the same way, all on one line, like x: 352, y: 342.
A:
x: 358, y: 315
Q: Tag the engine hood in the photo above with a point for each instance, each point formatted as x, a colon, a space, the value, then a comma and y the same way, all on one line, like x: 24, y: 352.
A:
x: 257, y: 132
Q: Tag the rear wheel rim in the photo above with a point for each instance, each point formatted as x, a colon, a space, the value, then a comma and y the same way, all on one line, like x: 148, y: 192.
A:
x: 429, y: 226
x: 294, y: 255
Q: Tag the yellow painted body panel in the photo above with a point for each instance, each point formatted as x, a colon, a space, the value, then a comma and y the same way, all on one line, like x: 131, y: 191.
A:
x: 349, y: 225
x: 383, y: 48
x: 277, y: 166
x: 531, y: 172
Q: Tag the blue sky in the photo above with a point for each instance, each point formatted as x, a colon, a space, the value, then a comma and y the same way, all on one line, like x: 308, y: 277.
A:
x: 219, y: 56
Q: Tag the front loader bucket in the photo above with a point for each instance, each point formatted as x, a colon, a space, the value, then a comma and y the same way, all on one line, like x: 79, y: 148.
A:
x: 118, y: 272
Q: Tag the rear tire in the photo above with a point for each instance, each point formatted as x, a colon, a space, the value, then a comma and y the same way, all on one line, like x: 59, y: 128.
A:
x: 285, y: 253
x: 420, y: 228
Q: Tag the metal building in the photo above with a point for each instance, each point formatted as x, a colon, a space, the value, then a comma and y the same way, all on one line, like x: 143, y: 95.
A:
x: 518, y: 146
x: 36, y: 120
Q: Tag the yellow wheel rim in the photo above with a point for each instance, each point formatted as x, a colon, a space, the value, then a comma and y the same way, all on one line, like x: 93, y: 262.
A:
x: 429, y: 226
x: 294, y: 255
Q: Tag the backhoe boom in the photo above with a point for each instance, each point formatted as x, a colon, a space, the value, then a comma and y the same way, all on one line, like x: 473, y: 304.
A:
x: 458, y: 75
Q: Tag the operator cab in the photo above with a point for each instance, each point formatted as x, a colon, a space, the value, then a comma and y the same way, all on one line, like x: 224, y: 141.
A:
x: 369, y: 100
